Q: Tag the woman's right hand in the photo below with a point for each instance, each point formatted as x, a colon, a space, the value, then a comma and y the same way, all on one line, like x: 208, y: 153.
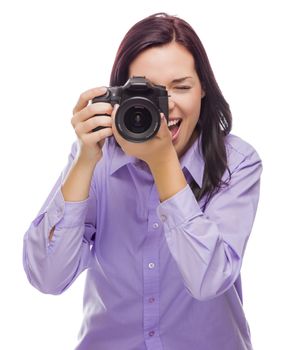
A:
x: 84, y: 121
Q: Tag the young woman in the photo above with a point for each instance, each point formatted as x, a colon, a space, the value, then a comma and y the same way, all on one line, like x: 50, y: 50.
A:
x: 160, y: 226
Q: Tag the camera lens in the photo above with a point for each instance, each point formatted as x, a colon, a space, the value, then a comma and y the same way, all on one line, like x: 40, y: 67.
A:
x: 137, y: 119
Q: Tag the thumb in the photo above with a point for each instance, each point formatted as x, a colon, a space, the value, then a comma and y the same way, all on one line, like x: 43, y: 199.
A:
x: 163, y: 130
x: 163, y: 118
x: 114, y: 111
x: 164, y: 122
x: 113, y: 117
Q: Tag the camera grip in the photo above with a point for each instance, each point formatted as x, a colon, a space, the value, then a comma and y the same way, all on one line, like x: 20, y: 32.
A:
x: 103, y: 98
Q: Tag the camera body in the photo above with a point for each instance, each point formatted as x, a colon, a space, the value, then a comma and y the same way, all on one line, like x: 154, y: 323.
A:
x: 140, y: 104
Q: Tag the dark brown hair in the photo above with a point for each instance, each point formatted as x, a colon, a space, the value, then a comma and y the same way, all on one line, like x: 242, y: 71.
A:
x: 215, y: 120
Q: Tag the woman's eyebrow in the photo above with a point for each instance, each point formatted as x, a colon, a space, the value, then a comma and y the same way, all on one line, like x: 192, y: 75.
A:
x: 180, y: 80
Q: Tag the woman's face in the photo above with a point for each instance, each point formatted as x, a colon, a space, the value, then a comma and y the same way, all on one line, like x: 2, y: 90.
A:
x: 172, y: 65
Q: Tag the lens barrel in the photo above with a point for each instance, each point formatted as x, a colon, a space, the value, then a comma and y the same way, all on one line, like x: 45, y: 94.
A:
x: 137, y: 119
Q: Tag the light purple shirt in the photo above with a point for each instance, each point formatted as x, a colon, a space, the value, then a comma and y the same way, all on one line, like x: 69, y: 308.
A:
x: 160, y: 276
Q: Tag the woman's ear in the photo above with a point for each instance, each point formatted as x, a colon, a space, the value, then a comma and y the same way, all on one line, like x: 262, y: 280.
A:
x: 203, y: 93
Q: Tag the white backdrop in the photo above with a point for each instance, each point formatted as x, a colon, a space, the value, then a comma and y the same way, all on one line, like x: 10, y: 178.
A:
x: 51, y: 51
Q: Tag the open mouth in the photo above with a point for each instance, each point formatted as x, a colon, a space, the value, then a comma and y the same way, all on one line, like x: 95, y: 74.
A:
x: 173, y: 126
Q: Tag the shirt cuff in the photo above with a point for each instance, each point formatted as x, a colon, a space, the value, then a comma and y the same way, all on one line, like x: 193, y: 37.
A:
x: 178, y: 209
x: 66, y: 214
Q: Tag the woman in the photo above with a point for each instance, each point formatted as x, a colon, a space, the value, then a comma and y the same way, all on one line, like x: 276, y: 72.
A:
x: 160, y: 226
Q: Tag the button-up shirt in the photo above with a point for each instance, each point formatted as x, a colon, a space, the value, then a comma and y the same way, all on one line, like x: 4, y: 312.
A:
x: 160, y: 276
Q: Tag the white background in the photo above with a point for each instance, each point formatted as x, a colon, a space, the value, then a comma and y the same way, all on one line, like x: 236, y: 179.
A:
x: 51, y: 51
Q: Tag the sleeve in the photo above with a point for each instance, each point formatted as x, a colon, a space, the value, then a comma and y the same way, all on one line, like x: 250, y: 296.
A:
x: 52, y: 265
x: 209, y: 246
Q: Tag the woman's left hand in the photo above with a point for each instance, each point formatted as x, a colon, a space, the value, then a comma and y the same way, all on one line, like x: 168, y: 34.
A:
x: 153, y: 151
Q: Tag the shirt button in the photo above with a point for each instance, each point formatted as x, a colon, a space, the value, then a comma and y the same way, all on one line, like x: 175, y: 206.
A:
x: 155, y: 225
x: 163, y: 217
x: 151, y: 334
x: 151, y: 265
x: 151, y: 300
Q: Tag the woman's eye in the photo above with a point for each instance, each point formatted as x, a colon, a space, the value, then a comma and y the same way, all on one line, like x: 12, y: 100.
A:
x: 183, y: 87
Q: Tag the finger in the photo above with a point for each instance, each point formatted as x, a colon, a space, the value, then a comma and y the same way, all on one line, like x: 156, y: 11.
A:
x: 163, y: 118
x: 99, y: 108
x: 95, y: 137
x: 95, y: 122
x: 114, y: 111
x: 116, y: 134
x: 86, y: 96
x: 164, y: 123
x: 163, y: 130
x: 113, y: 114
x: 113, y: 119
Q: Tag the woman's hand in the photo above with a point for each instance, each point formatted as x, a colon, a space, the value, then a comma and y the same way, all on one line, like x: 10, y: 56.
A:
x: 155, y: 151
x: 84, y: 121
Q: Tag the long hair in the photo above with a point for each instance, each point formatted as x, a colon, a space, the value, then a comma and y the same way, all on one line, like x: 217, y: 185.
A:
x: 215, y: 119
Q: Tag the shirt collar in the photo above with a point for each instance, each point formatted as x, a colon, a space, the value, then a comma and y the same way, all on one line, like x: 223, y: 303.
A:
x: 192, y: 160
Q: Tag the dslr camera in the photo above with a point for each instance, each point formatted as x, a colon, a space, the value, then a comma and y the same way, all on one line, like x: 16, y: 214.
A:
x: 140, y: 104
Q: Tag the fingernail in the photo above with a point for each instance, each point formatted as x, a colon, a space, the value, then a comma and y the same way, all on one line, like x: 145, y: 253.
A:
x: 163, y: 118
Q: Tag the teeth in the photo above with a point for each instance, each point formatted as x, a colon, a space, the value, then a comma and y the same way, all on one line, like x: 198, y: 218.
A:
x: 173, y: 122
